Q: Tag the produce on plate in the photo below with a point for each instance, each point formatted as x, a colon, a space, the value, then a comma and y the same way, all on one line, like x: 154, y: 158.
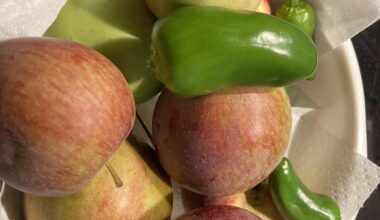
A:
x: 220, y: 212
x: 295, y: 201
x: 199, y: 49
x: 145, y: 194
x: 120, y: 30
x: 225, y: 142
x: 299, y: 13
x: 220, y: 127
x: 64, y: 110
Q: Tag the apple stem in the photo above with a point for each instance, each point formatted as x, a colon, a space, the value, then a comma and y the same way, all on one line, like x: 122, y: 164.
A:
x: 116, y: 178
x: 144, y: 127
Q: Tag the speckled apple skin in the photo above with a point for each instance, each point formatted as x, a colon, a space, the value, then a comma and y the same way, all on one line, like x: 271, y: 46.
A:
x: 219, y: 212
x: 64, y: 110
x: 225, y: 142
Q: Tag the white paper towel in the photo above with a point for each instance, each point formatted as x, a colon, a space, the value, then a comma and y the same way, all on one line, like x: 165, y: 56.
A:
x: 327, y: 165
x: 341, y: 172
x: 27, y: 18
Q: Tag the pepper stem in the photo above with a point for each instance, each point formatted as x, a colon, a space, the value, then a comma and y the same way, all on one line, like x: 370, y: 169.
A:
x: 294, y: 3
x: 116, y: 178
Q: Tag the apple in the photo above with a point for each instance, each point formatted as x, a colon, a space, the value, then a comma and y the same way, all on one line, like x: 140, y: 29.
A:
x: 225, y: 142
x: 162, y: 7
x: 120, y: 30
x: 257, y: 201
x: 220, y: 212
x: 145, y: 194
x: 64, y: 110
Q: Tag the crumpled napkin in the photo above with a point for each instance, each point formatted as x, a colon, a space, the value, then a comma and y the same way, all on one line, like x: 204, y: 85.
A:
x: 27, y: 18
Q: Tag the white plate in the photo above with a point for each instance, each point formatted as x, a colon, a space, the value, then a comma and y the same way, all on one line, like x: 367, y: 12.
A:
x: 337, y: 92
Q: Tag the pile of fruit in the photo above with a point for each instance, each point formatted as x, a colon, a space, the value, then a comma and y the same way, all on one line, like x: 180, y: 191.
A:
x: 221, y: 124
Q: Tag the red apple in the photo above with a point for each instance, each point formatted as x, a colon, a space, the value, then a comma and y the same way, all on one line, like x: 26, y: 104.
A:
x: 146, y: 192
x: 219, y: 212
x: 257, y: 201
x: 225, y: 142
x: 64, y: 110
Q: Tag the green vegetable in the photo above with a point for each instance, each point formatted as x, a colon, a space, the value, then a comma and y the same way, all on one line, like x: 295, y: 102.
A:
x: 298, y: 13
x: 294, y: 201
x: 200, y: 49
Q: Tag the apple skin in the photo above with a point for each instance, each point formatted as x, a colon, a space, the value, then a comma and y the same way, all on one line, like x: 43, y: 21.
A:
x: 220, y: 212
x: 257, y: 201
x: 225, y: 142
x: 162, y: 7
x: 120, y: 30
x: 64, y: 110
x: 145, y: 194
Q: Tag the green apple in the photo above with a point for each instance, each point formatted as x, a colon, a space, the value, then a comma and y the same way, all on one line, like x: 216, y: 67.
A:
x: 120, y: 30
x: 146, y: 192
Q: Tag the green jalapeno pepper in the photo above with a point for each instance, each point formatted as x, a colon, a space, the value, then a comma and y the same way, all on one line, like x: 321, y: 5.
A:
x: 295, y: 201
x: 298, y: 13
x: 200, y: 49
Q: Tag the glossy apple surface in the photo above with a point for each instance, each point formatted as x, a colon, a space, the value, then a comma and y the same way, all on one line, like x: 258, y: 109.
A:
x: 225, y: 142
x: 64, y: 109
x: 146, y: 192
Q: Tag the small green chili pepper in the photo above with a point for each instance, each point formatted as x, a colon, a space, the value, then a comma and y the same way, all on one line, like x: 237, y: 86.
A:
x: 295, y: 201
x: 200, y: 49
x: 298, y: 13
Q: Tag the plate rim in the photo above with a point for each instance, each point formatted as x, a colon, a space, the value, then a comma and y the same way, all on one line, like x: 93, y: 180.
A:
x: 358, y: 99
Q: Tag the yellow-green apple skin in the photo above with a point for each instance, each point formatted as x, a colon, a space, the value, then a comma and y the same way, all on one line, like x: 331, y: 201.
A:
x: 146, y: 192
x: 120, y: 30
x: 162, y: 7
